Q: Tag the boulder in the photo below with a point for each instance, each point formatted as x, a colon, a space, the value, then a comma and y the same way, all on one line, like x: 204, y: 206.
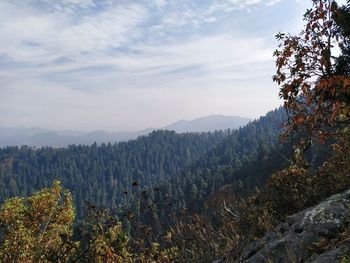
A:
x: 313, y: 235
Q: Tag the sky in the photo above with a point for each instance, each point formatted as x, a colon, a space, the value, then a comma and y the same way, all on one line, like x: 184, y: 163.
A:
x: 128, y: 65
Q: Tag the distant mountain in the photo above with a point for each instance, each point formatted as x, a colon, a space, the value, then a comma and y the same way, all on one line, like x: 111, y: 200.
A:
x: 39, y: 137
x: 65, y: 138
x: 208, y: 123
x: 20, y: 131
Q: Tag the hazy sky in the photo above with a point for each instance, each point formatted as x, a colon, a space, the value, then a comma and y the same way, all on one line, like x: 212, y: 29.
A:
x: 123, y: 65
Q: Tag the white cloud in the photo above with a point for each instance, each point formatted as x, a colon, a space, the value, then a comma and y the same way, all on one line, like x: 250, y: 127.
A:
x: 36, y: 36
x: 197, y: 77
x: 160, y: 3
x: 272, y: 2
x: 210, y: 53
x: 82, y: 3
x: 232, y: 5
x: 126, y: 65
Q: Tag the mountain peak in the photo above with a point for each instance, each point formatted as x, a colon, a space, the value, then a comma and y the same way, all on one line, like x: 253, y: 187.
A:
x: 208, y: 123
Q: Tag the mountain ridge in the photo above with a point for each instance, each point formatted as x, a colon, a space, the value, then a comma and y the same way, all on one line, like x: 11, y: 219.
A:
x: 39, y: 137
x: 208, y: 123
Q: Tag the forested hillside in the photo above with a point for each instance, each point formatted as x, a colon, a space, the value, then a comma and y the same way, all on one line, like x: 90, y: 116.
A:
x: 239, y: 160
x: 103, y: 174
x: 183, y: 168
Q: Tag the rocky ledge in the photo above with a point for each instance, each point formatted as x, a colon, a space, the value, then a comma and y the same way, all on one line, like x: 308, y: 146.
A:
x: 318, y: 234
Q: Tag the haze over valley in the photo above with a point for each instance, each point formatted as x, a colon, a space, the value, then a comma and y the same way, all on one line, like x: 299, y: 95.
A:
x: 39, y: 137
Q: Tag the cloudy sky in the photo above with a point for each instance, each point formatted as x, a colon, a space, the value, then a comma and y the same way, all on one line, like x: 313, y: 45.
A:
x: 125, y: 65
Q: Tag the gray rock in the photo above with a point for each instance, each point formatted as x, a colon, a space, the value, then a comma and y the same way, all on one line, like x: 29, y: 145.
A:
x: 333, y: 255
x: 308, y: 236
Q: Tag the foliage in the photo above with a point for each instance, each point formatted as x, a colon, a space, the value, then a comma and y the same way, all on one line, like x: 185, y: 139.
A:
x: 342, y: 19
x: 102, y: 238
x: 289, y: 191
x: 230, y: 222
x: 315, y: 84
x: 37, y: 228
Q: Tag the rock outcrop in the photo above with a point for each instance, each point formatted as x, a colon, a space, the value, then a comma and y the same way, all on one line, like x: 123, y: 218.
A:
x: 318, y: 234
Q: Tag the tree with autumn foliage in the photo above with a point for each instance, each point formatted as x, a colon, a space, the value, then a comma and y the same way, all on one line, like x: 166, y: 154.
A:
x: 37, y: 228
x: 313, y: 71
